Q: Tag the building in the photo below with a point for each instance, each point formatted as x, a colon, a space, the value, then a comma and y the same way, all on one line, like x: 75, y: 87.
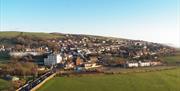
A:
x: 2, y: 48
x: 69, y: 66
x: 52, y: 59
x: 132, y: 64
x: 88, y: 65
x: 11, y: 78
x: 156, y: 63
x: 21, y: 54
x: 144, y: 64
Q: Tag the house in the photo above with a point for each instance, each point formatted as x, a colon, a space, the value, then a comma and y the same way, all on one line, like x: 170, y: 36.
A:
x: 132, y: 64
x: 156, y: 63
x: 79, y: 61
x: 41, y: 69
x: 11, y: 78
x: 89, y: 65
x: 52, y: 59
x: 144, y: 64
x: 14, y: 78
x: 69, y: 66
x: 21, y: 54
x: 2, y: 48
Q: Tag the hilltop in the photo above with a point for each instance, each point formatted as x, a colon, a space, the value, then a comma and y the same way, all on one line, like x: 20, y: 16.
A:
x: 10, y: 37
x: 13, y: 34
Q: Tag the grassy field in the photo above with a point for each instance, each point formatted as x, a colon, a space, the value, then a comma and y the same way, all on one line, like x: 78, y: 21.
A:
x: 172, y: 59
x: 4, y: 85
x: 166, y: 80
x: 12, y: 34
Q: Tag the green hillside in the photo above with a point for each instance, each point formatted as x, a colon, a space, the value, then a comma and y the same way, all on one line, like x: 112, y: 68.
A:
x: 11, y: 34
x: 167, y: 80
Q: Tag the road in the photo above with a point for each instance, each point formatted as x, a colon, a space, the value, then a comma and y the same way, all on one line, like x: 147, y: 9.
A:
x: 29, y: 85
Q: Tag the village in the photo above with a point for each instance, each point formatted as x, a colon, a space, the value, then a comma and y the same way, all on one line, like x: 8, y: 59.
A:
x: 84, y: 48
x: 80, y: 54
x: 89, y: 45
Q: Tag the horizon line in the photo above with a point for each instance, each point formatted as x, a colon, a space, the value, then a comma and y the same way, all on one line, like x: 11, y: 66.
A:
x: 166, y: 44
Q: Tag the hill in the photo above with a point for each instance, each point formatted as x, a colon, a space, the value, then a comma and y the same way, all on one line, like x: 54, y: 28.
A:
x: 12, y: 34
x: 13, y: 37
x: 4, y: 35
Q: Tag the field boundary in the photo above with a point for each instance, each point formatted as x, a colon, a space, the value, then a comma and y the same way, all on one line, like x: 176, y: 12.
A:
x: 111, y: 72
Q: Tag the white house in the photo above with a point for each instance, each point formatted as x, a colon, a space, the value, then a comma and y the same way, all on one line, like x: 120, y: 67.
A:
x: 52, y: 59
x: 2, y: 48
x: 144, y: 64
x: 21, y: 54
x: 132, y: 64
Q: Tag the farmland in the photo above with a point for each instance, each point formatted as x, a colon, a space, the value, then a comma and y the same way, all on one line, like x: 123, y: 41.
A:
x: 4, y: 85
x: 166, y: 80
x: 172, y: 59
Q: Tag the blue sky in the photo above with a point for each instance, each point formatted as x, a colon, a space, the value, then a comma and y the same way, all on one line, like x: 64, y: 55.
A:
x: 151, y: 20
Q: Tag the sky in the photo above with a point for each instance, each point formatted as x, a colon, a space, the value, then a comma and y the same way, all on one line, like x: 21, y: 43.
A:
x: 149, y: 20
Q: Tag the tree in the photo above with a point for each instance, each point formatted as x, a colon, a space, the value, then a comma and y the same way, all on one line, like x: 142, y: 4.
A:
x: 20, y: 68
